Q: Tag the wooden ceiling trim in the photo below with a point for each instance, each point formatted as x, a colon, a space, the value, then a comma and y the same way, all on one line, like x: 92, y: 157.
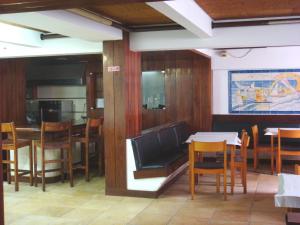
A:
x: 243, y: 9
x: 15, y: 6
x: 131, y: 14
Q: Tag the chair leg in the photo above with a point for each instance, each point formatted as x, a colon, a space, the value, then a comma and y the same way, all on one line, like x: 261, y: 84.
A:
x: 218, y: 182
x: 8, y: 168
x: 16, y: 169
x: 272, y: 162
x: 86, y: 167
x: 192, y: 185
x: 232, y: 183
x: 35, y: 165
x: 245, y: 178
x: 255, y: 159
x: 30, y: 166
x: 279, y: 163
x: 43, y: 170
x: 62, y: 165
x: 225, y: 185
x: 70, y: 167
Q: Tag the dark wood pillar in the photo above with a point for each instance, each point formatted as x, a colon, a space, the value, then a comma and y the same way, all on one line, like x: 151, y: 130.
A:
x: 122, y: 108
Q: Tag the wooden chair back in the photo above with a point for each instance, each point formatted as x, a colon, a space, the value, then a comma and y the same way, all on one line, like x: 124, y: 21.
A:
x: 93, y: 127
x: 289, y: 134
x: 63, y: 129
x: 245, y: 140
x: 9, y: 129
x: 255, y: 135
x: 207, y: 147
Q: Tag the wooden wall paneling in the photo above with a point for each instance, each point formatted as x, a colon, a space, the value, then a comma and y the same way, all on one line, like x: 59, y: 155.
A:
x: 12, y: 90
x: 184, y: 89
x: 122, y: 104
x: 170, y: 87
x: 120, y: 123
x: 187, y: 88
x: 109, y: 122
x: 202, y: 97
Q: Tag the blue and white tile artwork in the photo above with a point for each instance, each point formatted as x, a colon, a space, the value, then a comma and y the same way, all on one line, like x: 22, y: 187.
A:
x: 264, y: 91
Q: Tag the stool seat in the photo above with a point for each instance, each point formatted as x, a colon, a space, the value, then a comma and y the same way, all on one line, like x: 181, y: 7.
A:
x: 8, y: 144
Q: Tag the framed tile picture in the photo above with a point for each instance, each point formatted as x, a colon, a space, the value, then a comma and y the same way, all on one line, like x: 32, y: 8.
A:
x: 264, y: 91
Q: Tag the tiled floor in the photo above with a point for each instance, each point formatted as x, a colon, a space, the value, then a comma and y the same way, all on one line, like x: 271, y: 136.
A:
x: 86, y: 204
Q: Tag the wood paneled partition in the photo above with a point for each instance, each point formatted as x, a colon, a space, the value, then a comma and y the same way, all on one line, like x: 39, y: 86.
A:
x: 121, y: 77
x: 187, y: 89
x: 12, y: 90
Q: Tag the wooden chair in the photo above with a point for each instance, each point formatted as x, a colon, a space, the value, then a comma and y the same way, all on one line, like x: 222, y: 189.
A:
x: 259, y: 148
x: 286, y: 149
x: 54, y: 135
x: 13, y: 144
x: 199, y: 168
x: 92, y: 134
x: 240, y: 160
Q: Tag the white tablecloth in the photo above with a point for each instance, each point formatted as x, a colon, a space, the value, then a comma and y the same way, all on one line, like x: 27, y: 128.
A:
x: 288, y: 191
x: 274, y: 131
x: 230, y: 137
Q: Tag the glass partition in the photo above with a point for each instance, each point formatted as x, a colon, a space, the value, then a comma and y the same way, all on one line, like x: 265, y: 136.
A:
x: 153, y: 89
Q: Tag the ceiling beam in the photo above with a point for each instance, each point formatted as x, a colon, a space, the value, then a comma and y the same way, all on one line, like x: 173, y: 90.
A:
x: 65, y: 23
x: 188, y: 14
x: 15, y: 6
x: 234, y: 37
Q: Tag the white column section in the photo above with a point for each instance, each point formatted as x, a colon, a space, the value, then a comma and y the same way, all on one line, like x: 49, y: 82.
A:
x: 254, y: 36
x: 19, y: 36
x: 188, y: 14
x: 65, y: 23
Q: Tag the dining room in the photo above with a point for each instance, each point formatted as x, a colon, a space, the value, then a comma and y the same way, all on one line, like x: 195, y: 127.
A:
x: 192, y: 108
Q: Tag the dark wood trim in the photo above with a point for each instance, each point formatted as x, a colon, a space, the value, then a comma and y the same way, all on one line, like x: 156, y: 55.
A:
x: 15, y: 6
x: 1, y: 184
x: 253, y: 119
x: 252, y: 22
x: 160, y: 172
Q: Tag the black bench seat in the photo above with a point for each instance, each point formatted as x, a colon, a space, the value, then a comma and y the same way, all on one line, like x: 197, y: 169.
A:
x: 159, y: 153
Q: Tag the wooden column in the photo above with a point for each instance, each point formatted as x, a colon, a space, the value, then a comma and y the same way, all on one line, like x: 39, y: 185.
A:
x: 122, y: 109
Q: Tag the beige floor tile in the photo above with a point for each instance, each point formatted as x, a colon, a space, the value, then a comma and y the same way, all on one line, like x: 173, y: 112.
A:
x: 185, y: 220
x: 149, y: 218
x: 267, y: 216
x: 86, y: 204
x: 227, y: 215
x: 82, y: 216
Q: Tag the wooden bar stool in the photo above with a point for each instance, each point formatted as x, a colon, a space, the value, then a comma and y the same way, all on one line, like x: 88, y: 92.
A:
x: 13, y: 144
x: 92, y: 134
x: 54, y: 135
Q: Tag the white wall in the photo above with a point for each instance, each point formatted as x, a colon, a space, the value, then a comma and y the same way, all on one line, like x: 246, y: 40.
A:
x: 259, y: 58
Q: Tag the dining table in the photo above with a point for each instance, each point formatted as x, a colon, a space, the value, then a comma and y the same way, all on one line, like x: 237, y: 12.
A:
x: 232, y: 140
